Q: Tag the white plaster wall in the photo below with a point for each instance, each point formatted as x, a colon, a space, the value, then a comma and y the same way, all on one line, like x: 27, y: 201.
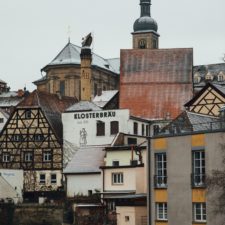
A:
x: 14, y: 178
x: 4, y: 122
x: 80, y: 184
x: 72, y: 126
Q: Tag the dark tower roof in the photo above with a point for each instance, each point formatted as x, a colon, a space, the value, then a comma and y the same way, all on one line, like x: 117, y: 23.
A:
x: 145, y: 22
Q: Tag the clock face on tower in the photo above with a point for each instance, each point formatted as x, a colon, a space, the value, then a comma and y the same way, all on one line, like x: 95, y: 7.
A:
x: 142, y: 44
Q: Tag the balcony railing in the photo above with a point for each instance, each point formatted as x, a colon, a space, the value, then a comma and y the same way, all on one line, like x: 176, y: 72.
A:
x: 160, y: 181
x: 198, y: 180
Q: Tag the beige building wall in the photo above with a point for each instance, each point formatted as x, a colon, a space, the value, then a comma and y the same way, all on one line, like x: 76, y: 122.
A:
x: 135, y: 215
x: 134, y: 180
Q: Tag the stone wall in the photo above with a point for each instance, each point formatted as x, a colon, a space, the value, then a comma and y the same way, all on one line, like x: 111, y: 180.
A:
x: 31, y: 214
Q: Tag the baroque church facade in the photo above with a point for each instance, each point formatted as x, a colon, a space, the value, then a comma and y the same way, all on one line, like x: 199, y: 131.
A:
x: 63, y: 73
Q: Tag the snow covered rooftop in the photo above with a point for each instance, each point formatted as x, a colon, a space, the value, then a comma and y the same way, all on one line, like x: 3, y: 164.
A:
x: 104, y: 98
x: 70, y: 54
x: 83, y: 106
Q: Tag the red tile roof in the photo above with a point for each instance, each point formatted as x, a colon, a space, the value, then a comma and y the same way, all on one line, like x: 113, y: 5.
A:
x: 155, y: 83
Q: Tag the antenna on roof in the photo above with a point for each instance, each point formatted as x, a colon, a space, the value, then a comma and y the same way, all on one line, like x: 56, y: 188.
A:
x: 69, y: 33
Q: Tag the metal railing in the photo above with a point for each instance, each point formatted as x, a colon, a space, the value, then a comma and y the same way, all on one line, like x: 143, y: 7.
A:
x: 160, y: 181
x: 198, y: 180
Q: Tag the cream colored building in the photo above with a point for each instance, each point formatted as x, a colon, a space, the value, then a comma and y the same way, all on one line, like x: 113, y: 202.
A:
x: 124, y: 179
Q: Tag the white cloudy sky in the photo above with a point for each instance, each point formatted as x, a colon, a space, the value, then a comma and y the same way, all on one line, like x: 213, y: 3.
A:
x: 32, y: 32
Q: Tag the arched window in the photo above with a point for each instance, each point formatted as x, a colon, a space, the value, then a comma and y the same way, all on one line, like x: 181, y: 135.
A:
x: 114, y: 127
x: 100, y: 128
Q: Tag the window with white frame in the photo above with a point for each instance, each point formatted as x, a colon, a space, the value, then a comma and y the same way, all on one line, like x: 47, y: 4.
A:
x: 198, y: 176
x: 199, y: 212
x: 53, y: 178
x: 28, y: 156
x: 6, y: 157
x: 135, y: 128
x: 42, y: 179
x: 117, y: 178
x: 47, y: 156
x: 160, y: 170
x: 161, y: 211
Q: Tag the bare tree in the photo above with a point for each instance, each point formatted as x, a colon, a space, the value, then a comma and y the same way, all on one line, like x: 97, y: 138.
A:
x: 216, y: 188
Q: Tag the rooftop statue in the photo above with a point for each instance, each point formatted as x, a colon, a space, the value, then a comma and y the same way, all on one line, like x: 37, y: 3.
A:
x: 87, y: 41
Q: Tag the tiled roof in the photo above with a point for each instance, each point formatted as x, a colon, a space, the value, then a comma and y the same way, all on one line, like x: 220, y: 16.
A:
x: 70, y: 55
x: 83, y: 106
x: 213, y: 69
x: 51, y: 105
x: 156, y: 83
x: 5, y: 114
x: 104, y: 98
x: 192, y: 122
x: 86, y: 160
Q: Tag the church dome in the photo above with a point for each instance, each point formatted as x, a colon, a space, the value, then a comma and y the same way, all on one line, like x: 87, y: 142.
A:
x: 145, y: 23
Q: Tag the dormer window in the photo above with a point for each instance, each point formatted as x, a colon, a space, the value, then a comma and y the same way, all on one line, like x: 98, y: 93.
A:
x: 220, y: 77
x: 197, y: 78
x: 209, y: 76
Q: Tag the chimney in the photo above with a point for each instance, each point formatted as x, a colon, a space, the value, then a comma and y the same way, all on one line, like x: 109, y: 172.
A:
x: 86, y: 77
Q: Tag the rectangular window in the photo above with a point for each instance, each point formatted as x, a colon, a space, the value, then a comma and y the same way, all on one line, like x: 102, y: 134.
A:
x: 160, y: 170
x: 53, y: 179
x: 1, y: 120
x: 62, y: 87
x: 198, y: 171
x: 147, y: 130
x: 100, y: 128
x: 28, y: 156
x: 135, y: 128
x: 161, y: 211
x: 114, y: 127
x: 27, y: 114
x: 38, y: 137
x: 131, y: 141
x: 143, y: 129
x: 16, y: 138
x: 199, y: 212
x: 6, y: 157
x: 117, y: 178
x: 115, y: 163
x: 42, y: 179
x: 47, y: 156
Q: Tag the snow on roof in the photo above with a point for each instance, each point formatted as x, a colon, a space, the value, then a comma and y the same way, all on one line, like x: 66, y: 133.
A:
x: 70, y: 54
x: 86, y: 160
x: 103, y: 99
x: 83, y: 106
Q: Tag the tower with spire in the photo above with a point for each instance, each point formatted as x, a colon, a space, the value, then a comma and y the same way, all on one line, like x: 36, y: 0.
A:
x: 145, y: 34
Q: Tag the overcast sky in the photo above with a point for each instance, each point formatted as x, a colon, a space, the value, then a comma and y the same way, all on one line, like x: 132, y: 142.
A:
x: 34, y: 31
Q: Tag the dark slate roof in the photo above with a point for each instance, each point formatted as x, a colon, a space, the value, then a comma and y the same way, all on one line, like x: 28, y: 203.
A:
x: 192, y: 122
x: 70, y: 55
x: 52, y: 106
x: 86, y: 160
x: 155, y: 83
x: 82, y: 106
x: 203, y: 70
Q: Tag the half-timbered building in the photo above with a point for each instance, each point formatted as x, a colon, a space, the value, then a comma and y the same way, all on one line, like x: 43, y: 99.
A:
x: 208, y: 101
x: 32, y: 140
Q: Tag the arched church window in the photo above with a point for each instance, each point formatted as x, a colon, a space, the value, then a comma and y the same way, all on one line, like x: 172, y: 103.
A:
x: 142, y: 44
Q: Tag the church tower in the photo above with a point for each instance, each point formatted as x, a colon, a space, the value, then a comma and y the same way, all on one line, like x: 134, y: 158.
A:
x: 145, y: 34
